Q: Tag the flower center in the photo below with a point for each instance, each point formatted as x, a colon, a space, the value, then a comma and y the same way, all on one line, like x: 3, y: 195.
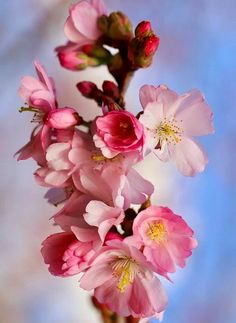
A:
x: 125, y: 268
x: 99, y: 158
x: 124, y: 125
x: 156, y: 231
x: 169, y: 131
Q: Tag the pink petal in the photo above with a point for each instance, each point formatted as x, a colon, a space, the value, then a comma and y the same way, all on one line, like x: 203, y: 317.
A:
x: 85, y: 19
x: 188, y: 156
x: 57, y: 156
x: 43, y: 77
x: 195, y: 114
x: 96, y: 276
x: 99, y: 6
x: 72, y: 33
x: 149, y: 93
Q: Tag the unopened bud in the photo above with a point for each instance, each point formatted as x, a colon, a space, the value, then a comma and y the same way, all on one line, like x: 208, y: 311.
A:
x: 73, y: 60
x: 111, y: 89
x: 87, y: 89
x: 117, y: 26
x: 151, y: 44
x: 97, y: 52
x: 141, y: 50
x: 143, y: 29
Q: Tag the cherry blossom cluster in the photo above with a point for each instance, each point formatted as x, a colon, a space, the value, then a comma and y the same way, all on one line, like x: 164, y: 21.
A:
x: 110, y: 232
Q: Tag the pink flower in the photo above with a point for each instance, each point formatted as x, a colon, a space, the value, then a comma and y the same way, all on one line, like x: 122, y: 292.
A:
x: 118, y: 131
x: 103, y: 216
x: 115, y: 188
x: 122, y: 280
x: 65, y: 255
x: 171, y: 121
x: 81, y: 26
x: 166, y: 238
x: 88, y: 154
x: 38, y: 93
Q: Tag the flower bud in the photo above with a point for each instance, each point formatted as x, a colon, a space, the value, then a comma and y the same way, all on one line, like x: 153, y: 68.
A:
x: 111, y: 89
x: 141, y: 50
x: 117, y: 26
x: 87, y: 89
x: 73, y: 60
x: 97, y: 52
x: 143, y: 29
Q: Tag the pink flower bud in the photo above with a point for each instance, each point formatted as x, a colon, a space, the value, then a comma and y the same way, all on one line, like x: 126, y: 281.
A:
x: 62, y: 118
x: 143, y: 29
x: 111, y: 89
x: 87, y: 89
x: 151, y: 45
x: 73, y: 60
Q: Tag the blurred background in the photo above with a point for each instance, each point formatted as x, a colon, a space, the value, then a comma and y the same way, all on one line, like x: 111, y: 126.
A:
x: 197, y: 50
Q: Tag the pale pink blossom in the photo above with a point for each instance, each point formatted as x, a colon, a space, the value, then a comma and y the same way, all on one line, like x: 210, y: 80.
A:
x: 165, y: 238
x: 118, y: 132
x: 103, y: 216
x: 171, y: 121
x: 81, y: 26
x: 115, y: 188
x: 123, y: 281
x: 87, y: 153
x: 65, y: 255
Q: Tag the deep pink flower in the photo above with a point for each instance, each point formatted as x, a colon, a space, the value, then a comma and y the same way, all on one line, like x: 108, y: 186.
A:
x: 118, y: 131
x: 122, y: 280
x: 81, y: 26
x: 171, y: 121
x: 65, y: 255
x: 166, y: 238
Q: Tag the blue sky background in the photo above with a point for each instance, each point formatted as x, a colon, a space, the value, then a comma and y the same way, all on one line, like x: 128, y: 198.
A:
x: 197, y: 50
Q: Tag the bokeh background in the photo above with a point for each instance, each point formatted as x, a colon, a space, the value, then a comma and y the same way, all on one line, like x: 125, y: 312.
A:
x: 197, y: 50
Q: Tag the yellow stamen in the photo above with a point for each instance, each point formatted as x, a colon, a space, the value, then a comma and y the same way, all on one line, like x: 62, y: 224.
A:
x: 124, y: 125
x: 156, y: 231
x: 125, y: 268
x: 99, y: 158
x: 169, y: 131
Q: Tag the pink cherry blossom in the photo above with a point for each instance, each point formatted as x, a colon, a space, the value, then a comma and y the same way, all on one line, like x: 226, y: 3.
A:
x: 65, y: 255
x: 87, y: 153
x: 171, y: 121
x: 117, y: 132
x: 38, y: 93
x: 103, y: 216
x: 81, y: 26
x: 123, y: 281
x: 115, y: 188
x: 166, y: 238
